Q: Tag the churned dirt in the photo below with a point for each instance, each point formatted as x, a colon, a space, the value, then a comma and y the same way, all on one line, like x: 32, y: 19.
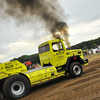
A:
x: 85, y: 87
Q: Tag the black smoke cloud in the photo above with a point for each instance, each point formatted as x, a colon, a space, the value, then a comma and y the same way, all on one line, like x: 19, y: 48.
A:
x: 48, y: 11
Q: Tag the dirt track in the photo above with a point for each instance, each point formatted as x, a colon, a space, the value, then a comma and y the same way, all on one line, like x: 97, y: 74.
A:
x: 85, y: 87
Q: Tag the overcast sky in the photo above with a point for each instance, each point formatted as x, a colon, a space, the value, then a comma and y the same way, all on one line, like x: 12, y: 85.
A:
x: 83, y: 19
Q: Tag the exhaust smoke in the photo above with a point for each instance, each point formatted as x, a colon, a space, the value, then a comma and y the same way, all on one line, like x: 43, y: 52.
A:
x: 48, y: 11
x: 62, y: 28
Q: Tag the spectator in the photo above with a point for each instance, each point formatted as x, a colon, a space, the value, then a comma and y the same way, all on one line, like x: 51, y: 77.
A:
x: 39, y: 66
x: 26, y: 65
x: 36, y: 66
x: 33, y: 66
x: 29, y: 67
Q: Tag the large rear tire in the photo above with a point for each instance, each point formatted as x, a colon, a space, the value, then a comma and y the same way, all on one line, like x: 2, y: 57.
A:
x: 16, y: 86
x: 75, y: 69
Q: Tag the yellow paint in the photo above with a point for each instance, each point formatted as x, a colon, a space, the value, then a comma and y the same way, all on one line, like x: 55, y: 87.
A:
x: 10, y: 68
x: 57, y: 59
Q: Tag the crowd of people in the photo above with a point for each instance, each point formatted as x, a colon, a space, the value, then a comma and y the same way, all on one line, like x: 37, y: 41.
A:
x: 33, y: 66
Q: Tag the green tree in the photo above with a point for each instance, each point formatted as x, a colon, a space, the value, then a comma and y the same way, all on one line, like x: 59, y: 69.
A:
x: 93, y: 46
x: 85, y: 48
x: 34, y: 58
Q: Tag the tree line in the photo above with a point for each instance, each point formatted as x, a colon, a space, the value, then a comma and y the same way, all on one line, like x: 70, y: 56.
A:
x: 34, y: 58
x: 87, y: 44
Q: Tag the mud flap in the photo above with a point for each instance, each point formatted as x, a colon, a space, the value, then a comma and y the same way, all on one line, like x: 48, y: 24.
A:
x: 85, y: 61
